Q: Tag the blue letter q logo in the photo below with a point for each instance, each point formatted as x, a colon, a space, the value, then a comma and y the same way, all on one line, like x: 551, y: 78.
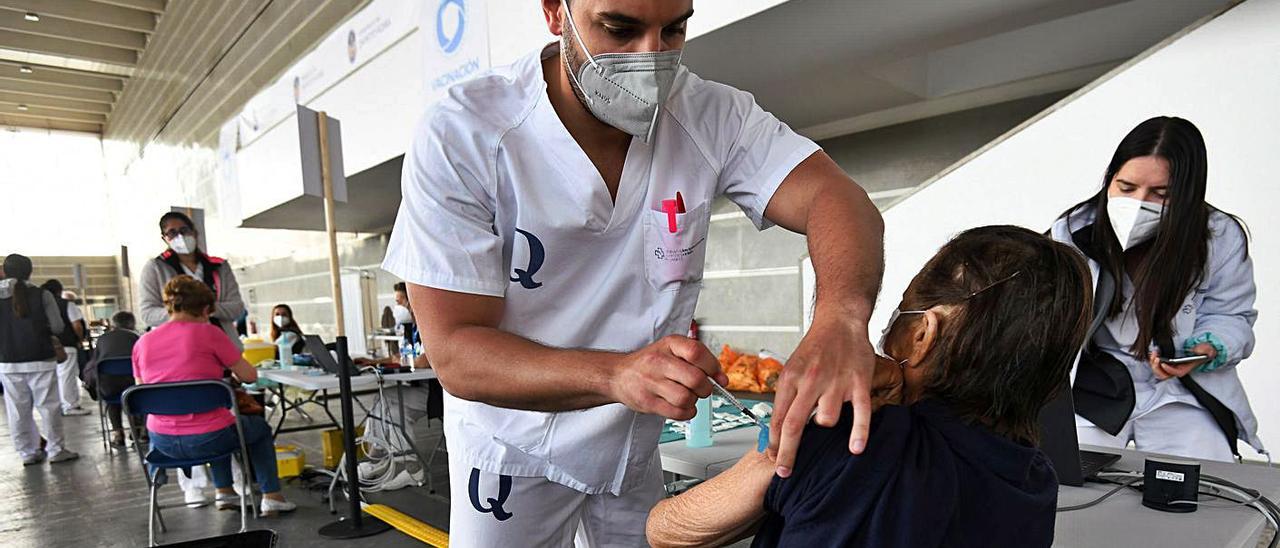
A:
x: 449, y: 42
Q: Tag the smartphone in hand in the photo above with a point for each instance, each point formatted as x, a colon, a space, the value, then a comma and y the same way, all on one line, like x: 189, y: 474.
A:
x: 1188, y: 359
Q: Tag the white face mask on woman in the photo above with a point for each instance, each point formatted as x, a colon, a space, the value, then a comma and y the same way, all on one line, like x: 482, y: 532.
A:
x: 280, y: 320
x: 1134, y: 221
x: 182, y: 245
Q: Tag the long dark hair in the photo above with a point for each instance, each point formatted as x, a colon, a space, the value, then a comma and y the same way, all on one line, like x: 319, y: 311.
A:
x: 1020, y: 308
x: 19, y: 268
x: 1175, y: 260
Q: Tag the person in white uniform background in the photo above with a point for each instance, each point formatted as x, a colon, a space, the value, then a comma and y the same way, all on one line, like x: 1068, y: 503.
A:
x: 29, y: 320
x: 70, y: 337
x: 184, y: 256
x: 553, y: 228
x: 1173, y: 280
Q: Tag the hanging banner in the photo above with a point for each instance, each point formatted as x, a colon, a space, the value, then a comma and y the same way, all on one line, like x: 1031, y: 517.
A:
x: 377, y: 27
x: 455, y: 39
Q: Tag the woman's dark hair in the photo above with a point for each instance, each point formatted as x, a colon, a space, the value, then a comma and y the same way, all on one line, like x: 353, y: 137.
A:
x: 186, y: 294
x: 293, y: 324
x: 401, y: 287
x: 19, y: 268
x: 178, y: 215
x: 1019, y: 305
x: 1173, y: 263
x: 53, y: 286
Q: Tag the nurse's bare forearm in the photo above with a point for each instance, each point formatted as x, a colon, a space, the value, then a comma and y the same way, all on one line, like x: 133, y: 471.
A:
x: 845, y: 234
x: 488, y: 365
x: 846, y: 243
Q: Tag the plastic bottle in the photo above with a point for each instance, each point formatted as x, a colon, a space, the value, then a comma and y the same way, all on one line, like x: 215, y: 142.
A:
x: 285, y: 347
x: 700, y: 427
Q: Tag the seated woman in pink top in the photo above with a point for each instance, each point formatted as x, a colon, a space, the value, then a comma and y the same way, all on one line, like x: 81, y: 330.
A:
x: 189, y: 348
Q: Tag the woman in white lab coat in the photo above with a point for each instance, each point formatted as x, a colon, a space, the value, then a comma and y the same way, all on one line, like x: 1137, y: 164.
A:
x: 1173, y: 313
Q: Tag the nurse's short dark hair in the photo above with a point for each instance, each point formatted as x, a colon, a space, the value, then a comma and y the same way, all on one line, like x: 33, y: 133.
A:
x: 401, y: 287
x: 1021, y: 306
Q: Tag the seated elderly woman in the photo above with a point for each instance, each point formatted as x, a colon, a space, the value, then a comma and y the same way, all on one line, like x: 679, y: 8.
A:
x: 984, y: 337
x: 189, y: 348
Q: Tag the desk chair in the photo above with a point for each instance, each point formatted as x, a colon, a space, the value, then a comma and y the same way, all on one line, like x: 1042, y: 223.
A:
x: 112, y: 366
x: 182, y: 398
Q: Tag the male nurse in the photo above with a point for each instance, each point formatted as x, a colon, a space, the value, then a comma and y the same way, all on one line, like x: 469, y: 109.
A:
x: 553, y: 231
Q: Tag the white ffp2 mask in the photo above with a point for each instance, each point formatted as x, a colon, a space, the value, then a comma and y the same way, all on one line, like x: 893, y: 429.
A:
x: 625, y: 90
x: 182, y: 244
x: 1134, y: 221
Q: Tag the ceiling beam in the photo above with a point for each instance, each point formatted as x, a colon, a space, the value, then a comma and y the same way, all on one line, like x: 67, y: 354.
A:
x: 87, y: 12
x: 60, y: 76
x: 67, y: 29
x: 45, y: 123
x: 53, y: 114
x: 34, y: 88
x: 10, y: 98
x: 153, y: 6
x: 67, y: 48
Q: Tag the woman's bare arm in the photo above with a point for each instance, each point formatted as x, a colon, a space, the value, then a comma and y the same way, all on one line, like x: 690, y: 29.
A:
x: 719, y: 511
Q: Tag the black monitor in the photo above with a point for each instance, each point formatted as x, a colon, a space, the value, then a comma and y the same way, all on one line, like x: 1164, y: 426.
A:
x: 1058, y: 440
x: 315, y: 346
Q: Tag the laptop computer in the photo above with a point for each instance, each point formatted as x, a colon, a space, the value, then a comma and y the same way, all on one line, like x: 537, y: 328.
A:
x: 1058, y: 440
x: 315, y: 347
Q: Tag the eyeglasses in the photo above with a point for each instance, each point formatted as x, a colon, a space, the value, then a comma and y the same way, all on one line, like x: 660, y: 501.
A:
x: 174, y: 233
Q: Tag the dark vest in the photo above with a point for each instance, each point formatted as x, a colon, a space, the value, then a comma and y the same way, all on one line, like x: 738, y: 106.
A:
x: 209, y: 269
x: 68, y: 336
x: 25, y: 339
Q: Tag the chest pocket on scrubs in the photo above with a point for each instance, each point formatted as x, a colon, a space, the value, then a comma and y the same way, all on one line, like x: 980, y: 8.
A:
x: 672, y: 259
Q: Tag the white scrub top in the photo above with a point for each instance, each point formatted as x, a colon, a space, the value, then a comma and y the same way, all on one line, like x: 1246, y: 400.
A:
x: 499, y: 200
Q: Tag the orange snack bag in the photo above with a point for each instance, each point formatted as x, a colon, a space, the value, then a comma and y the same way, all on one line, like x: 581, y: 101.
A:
x: 767, y: 374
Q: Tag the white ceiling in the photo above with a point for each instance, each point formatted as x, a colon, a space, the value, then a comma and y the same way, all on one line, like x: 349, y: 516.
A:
x: 837, y: 66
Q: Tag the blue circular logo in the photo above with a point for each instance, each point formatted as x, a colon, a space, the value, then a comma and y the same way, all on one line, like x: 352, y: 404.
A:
x: 449, y: 41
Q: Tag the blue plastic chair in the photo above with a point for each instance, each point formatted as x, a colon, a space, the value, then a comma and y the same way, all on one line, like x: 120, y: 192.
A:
x: 183, y: 398
x: 122, y: 367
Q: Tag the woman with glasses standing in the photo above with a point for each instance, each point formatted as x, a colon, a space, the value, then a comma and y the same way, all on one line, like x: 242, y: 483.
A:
x: 183, y: 256
x: 1174, y: 293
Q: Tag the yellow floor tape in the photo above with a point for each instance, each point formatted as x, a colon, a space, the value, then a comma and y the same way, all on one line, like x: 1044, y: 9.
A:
x: 408, y: 525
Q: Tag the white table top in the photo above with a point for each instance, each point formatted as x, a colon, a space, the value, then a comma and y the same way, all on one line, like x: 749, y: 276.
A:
x: 1118, y: 521
x: 300, y: 379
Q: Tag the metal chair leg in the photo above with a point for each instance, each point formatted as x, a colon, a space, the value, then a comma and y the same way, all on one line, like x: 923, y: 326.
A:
x: 153, y: 511
x: 102, y: 424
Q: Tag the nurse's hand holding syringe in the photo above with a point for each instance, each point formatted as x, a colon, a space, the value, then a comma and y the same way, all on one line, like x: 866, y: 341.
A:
x: 667, y: 377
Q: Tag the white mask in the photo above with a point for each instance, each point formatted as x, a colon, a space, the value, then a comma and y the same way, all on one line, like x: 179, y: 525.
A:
x: 280, y: 320
x: 884, y: 335
x: 182, y: 245
x: 1134, y: 221
x: 401, y: 314
x: 625, y: 90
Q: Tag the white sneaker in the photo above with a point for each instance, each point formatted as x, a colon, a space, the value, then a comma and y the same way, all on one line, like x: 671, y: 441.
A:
x: 195, y: 498
x: 272, y: 507
x: 227, y: 502
x: 64, y: 456
x: 35, y: 459
x: 370, y: 469
x: 75, y: 412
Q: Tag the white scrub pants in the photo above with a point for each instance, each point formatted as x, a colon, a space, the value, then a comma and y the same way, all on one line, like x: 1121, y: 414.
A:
x: 24, y: 394
x: 69, y: 380
x: 1175, y: 428
x: 539, y: 513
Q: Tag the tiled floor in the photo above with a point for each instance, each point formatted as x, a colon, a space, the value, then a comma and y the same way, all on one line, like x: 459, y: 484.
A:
x: 101, y: 499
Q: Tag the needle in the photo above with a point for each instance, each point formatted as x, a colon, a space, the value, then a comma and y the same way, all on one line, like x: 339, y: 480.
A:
x: 734, y: 401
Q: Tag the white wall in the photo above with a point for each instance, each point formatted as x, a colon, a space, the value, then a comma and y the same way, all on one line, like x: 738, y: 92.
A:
x: 1224, y: 77
x: 52, y: 193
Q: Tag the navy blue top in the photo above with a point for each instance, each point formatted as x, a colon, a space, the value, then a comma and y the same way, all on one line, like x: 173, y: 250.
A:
x: 926, y: 479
